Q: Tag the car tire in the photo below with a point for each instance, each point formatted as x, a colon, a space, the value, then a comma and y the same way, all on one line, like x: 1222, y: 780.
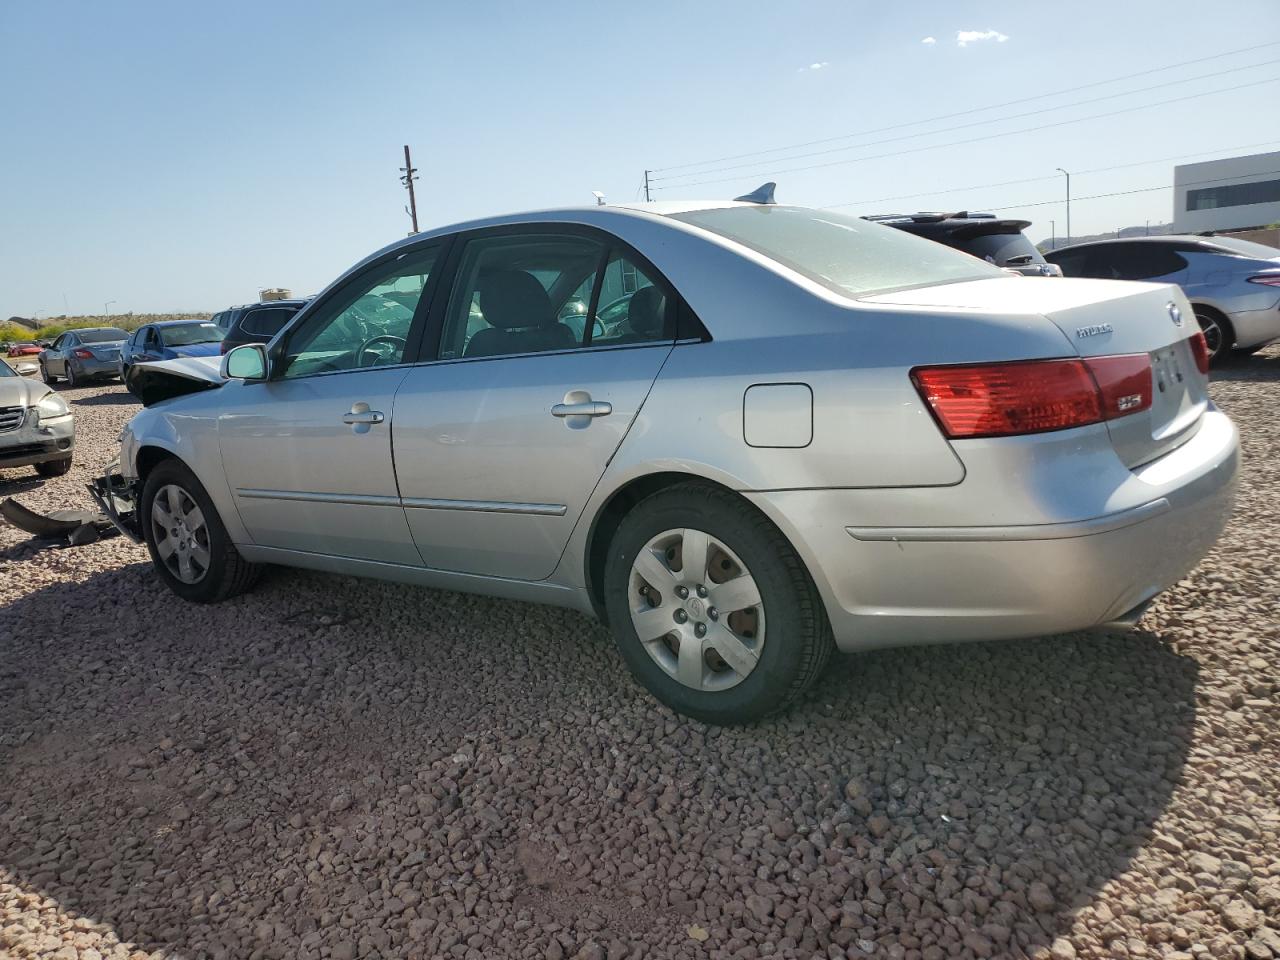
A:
x: 73, y: 380
x: 1218, y: 334
x: 54, y: 468
x: 46, y: 376
x: 773, y: 651
x: 213, y: 569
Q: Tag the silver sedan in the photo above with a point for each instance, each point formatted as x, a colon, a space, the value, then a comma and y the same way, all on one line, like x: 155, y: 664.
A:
x: 809, y: 432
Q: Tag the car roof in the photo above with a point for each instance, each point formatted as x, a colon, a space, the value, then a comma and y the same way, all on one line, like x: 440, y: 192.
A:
x: 174, y: 323
x: 964, y: 223
x: 1183, y: 238
x: 292, y: 302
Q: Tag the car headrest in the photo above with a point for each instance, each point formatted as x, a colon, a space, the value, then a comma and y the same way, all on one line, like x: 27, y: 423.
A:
x: 514, y: 298
x: 646, y: 310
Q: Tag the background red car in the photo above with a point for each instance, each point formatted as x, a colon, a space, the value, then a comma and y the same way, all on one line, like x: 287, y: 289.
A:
x: 24, y: 349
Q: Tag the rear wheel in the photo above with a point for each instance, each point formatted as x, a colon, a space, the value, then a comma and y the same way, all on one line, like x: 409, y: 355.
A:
x: 54, y: 468
x: 189, y: 545
x: 1218, y: 335
x: 711, y: 608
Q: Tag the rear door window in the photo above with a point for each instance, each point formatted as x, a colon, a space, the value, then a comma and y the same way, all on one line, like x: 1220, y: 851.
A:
x: 527, y: 293
x: 268, y: 321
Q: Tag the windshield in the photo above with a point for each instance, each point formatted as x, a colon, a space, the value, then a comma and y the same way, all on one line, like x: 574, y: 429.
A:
x: 848, y: 255
x: 185, y: 334
x: 1244, y: 248
x: 102, y: 335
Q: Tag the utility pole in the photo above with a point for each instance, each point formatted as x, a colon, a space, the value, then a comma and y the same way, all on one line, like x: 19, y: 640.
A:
x: 646, y: 186
x: 1068, y: 176
x: 106, y: 308
x: 1053, y: 234
x: 407, y: 180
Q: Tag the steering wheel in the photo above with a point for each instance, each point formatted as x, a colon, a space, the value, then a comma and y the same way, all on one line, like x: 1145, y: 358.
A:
x: 364, y: 347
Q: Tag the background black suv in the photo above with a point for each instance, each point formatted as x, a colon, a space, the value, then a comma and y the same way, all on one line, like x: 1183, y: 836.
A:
x: 255, y: 322
x: 981, y: 235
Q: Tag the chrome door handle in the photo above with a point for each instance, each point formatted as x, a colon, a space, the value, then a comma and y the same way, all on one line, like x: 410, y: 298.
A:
x: 360, y: 413
x: 589, y: 408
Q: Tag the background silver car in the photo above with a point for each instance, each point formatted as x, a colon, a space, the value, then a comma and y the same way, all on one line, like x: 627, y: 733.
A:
x: 1233, y: 285
x: 37, y: 427
x: 87, y: 353
x: 811, y: 432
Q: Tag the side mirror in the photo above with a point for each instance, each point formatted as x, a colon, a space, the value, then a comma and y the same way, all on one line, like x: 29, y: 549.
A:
x: 246, y: 362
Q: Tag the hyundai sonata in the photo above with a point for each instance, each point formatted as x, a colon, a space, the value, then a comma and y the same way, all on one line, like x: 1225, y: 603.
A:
x: 809, y: 432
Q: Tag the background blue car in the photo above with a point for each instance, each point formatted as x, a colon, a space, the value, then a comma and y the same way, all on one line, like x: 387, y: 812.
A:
x: 169, y: 340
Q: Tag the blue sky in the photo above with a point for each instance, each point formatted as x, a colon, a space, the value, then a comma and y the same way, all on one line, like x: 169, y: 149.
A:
x: 174, y: 156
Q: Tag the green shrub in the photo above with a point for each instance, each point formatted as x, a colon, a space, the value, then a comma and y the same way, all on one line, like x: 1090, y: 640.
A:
x: 11, y: 332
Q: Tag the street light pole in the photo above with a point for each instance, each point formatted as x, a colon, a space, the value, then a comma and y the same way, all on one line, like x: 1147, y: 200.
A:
x: 1053, y: 234
x: 106, y: 308
x: 1068, y: 176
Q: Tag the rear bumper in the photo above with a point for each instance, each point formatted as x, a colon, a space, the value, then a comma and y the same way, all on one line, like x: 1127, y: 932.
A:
x: 89, y: 369
x: 898, y: 586
x: 1255, y: 328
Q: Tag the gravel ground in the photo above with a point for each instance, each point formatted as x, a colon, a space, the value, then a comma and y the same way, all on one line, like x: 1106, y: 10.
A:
x: 339, y: 768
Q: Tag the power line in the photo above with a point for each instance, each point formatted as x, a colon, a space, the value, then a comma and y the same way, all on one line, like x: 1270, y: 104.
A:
x: 963, y: 113
x: 1125, y: 193
x: 992, y: 136
x: 972, y: 123
x: 1052, y: 176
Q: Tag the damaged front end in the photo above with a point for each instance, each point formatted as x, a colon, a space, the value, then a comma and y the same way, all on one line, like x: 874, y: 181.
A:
x: 155, y: 381
x: 117, y: 497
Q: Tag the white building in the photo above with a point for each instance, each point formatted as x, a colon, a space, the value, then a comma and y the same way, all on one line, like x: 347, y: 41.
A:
x: 1238, y: 193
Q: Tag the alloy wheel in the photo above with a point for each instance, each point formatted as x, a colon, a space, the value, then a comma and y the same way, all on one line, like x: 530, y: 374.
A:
x: 180, y: 533
x: 696, y: 609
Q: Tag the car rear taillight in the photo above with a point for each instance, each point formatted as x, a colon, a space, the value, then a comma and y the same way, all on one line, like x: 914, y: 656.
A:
x: 82, y: 354
x: 1034, y: 396
x: 1267, y: 279
x: 1200, y: 350
x: 1124, y: 382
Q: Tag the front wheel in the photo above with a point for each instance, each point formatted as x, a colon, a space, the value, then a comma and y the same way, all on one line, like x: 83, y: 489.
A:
x: 72, y: 379
x: 188, y: 544
x: 54, y: 468
x: 46, y: 376
x: 711, y: 608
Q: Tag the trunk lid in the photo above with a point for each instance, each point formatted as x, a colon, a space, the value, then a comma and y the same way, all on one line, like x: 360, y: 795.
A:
x: 1104, y: 318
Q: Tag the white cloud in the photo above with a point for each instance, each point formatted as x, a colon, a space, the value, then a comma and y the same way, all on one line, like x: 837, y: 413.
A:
x: 929, y: 41
x: 966, y: 37
x: 814, y: 66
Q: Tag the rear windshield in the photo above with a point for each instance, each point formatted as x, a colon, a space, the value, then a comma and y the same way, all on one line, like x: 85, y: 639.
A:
x: 268, y: 321
x: 1000, y: 249
x: 104, y: 335
x: 848, y: 255
x: 1244, y: 248
x: 185, y: 334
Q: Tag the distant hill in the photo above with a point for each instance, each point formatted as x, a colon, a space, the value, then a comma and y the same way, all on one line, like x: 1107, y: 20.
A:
x: 1155, y: 230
